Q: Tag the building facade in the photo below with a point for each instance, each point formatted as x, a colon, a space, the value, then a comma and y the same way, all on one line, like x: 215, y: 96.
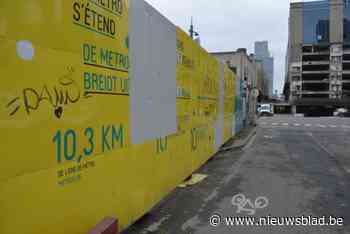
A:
x: 318, y: 56
x: 262, y: 84
x: 246, y: 70
x: 263, y: 54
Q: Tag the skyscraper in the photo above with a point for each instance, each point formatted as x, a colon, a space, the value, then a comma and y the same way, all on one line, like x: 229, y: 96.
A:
x: 262, y: 53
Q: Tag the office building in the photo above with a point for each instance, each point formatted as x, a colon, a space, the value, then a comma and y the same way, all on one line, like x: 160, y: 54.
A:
x: 263, y: 54
x: 318, y: 56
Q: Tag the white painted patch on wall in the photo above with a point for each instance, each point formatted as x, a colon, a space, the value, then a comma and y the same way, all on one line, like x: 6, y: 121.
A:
x: 153, y: 58
x: 25, y: 50
x: 219, y: 125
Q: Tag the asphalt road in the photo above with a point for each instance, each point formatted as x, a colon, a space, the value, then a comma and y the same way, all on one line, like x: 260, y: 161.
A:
x: 296, y: 166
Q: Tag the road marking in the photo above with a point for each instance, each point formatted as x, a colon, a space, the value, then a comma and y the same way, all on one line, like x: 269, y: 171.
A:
x: 285, y: 124
x: 347, y: 170
x: 322, y: 126
x: 274, y: 124
x: 296, y: 125
x: 250, y: 143
x: 308, y: 125
x: 333, y: 126
x: 345, y: 126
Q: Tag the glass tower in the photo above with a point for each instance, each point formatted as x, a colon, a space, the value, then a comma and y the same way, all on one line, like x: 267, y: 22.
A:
x: 316, y: 22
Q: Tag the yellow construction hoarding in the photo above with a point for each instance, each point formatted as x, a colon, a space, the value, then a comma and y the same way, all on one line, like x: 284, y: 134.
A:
x: 66, y: 157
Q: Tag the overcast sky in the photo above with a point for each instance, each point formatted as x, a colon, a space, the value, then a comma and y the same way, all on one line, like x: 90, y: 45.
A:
x: 225, y: 25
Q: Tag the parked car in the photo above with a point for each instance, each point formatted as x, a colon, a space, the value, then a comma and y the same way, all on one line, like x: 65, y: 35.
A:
x: 342, y: 112
x: 266, y: 110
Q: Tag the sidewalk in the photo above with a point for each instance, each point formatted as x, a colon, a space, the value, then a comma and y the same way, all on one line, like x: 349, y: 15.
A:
x: 240, y: 140
x: 180, y: 211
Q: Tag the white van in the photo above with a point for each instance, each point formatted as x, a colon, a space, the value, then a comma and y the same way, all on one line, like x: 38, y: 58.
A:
x: 266, y: 110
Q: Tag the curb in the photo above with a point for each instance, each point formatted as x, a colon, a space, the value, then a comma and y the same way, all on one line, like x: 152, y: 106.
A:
x: 240, y: 143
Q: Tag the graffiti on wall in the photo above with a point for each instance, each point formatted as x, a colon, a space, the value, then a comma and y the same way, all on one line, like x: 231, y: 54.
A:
x: 64, y: 93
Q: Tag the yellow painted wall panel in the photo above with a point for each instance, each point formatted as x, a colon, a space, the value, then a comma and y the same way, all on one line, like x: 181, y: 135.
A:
x: 66, y: 158
x: 65, y: 25
x: 47, y: 98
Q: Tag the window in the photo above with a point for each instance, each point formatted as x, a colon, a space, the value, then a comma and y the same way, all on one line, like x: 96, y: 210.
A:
x: 316, y: 22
